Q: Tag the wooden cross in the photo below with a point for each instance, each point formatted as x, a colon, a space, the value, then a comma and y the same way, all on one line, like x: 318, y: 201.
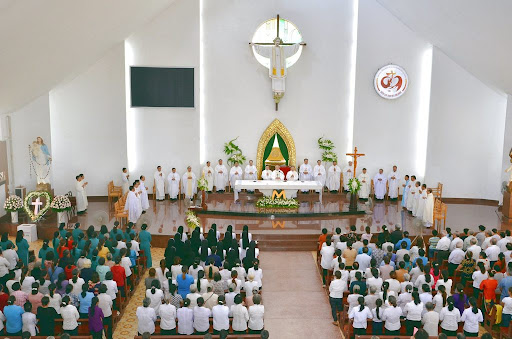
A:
x: 355, y: 155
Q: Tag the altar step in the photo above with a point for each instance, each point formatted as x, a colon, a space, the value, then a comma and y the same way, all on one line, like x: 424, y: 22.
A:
x: 286, y: 242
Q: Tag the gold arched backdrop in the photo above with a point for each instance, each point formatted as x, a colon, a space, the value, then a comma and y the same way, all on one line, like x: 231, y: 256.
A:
x: 275, y: 127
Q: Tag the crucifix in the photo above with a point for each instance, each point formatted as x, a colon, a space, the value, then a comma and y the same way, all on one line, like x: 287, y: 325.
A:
x: 277, y: 51
x: 36, y: 205
x: 355, y: 155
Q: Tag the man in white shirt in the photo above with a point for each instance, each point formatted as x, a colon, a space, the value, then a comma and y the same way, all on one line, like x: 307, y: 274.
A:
x: 167, y: 318
x: 159, y: 179
x: 502, y: 243
x: 11, y: 256
x: 456, y: 239
x: 267, y: 173
x: 455, y: 258
x: 336, y: 289
x: 467, y: 241
x: 256, y: 313
x: 474, y: 248
x: 4, y: 267
x: 443, y: 247
x: 492, y: 252
x: 220, y: 314
x: 221, y: 177
x: 363, y: 259
x: 201, y: 317
x: 327, y: 252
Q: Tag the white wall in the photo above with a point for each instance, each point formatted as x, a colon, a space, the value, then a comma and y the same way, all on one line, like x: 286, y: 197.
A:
x: 385, y: 129
x: 88, y: 126
x: 27, y: 124
x: 166, y: 136
x: 238, y: 95
x: 507, y: 142
x: 466, y: 133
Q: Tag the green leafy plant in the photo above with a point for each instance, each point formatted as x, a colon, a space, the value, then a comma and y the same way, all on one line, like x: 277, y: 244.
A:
x: 234, y: 153
x: 327, y: 146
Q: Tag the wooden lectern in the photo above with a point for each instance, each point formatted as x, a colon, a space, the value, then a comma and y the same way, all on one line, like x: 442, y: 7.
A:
x: 507, y: 202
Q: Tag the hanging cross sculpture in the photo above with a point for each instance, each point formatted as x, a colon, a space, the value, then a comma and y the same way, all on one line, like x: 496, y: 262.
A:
x: 277, y: 52
x: 355, y: 155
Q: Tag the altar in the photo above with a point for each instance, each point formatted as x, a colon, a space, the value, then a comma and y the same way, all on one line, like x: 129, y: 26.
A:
x: 268, y: 186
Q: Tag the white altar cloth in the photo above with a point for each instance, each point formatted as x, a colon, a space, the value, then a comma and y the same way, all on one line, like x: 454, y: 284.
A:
x: 268, y: 186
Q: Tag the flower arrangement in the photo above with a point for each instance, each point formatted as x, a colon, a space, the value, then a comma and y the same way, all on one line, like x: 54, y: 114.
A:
x: 192, y: 220
x: 13, y: 203
x: 268, y: 202
x: 42, y: 210
x: 202, y: 184
x: 354, y: 185
x: 327, y: 146
x: 60, y: 203
x: 234, y: 153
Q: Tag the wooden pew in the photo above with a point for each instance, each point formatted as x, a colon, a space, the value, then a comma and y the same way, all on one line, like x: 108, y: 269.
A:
x: 157, y: 327
x: 200, y: 336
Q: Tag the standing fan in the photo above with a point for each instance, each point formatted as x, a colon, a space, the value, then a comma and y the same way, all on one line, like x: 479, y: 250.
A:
x: 99, y: 218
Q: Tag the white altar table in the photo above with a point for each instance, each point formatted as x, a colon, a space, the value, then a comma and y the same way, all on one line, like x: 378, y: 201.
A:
x: 268, y: 186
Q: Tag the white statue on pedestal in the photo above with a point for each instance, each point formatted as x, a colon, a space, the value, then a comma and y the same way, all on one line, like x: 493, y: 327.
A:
x: 41, y: 160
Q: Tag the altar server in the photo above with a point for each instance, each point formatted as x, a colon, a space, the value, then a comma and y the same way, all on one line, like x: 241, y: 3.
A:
x: 81, y: 194
x: 292, y: 174
x: 422, y: 200
x: 221, y: 177
x: 277, y: 174
x: 347, y: 174
x: 428, y: 209
x: 393, y: 182
x: 133, y: 205
x: 173, y: 184
x: 208, y: 175
x: 379, y: 184
x: 319, y: 173
x: 124, y: 179
x: 405, y: 195
x: 267, y: 173
x: 364, y: 179
x: 235, y: 173
x: 250, y: 173
x: 159, y: 177
x: 189, y: 183
x: 333, y: 178
x: 143, y: 194
x: 412, y: 190
x: 417, y: 193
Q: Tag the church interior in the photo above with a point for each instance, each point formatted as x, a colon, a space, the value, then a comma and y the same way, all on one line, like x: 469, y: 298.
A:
x: 357, y: 120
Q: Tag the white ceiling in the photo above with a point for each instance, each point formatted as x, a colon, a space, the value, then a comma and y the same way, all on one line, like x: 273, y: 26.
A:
x: 476, y: 34
x: 45, y: 42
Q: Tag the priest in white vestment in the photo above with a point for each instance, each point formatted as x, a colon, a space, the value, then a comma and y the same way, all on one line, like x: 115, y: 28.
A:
x: 305, y: 172
x: 417, y: 194
x: 365, y: 180
x: 421, y: 202
x: 133, y: 205
x: 277, y: 174
x: 428, y: 209
x: 292, y: 174
x: 267, y: 173
x: 235, y: 173
x: 379, y: 184
x: 319, y: 173
x: 143, y: 194
x: 251, y: 173
x: 347, y: 175
x: 393, y: 183
x: 125, y: 180
x: 81, y: 194
x: 406, y: 190
x: 412, y: 190
x: 208, y: 175
x: 221, y: 177
x: 189, y: 183
x: 173, y: 184
x: 334, y: 177
x: 159, y: 177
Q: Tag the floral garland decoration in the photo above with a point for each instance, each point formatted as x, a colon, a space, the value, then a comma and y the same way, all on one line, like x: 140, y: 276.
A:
x: 327, y: 146
x: 234, y: 153
x: 60, y: 203
x: 268, y: 202
x: 13, y: 203
x: 202, y: 184
x: 42, y: 210
x: 192, y: 220
x: 354, y: 185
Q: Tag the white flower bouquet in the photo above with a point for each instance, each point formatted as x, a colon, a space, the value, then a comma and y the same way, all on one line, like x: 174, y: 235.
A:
x: 13, y: 203
x: 192, y: 220
x: 329, y: 156
x: 267, y: 202
x: 202, y: 184
x: 60, y: 203
x: 354, y: 185
x: 325, y: 144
